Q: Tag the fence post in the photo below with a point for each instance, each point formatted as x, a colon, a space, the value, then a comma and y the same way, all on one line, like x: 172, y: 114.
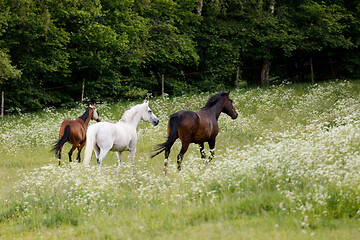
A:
x: 237, y: 77
x: 312, y: 71
x: 162, y: 85
x: 82, y: 91
x: 2, y: 104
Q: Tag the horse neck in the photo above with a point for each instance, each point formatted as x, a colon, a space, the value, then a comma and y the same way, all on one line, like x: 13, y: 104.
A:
x: 215, y: 109
x: 86, y: 117
x: 131, y: 117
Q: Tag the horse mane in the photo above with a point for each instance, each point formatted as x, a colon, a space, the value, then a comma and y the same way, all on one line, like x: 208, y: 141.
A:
x: 214, y: 99
x: 85, y: 115
x: 130, y: 113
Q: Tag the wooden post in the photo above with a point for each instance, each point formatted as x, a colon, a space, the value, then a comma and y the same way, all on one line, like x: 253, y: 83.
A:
x: 162, y: 85
x: 312, y: 71
x: 2, y: 104
x: 82, y: 92
x: 237, y: 76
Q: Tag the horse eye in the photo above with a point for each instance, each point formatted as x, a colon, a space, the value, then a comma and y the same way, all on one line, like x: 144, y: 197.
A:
x: 150, y: 111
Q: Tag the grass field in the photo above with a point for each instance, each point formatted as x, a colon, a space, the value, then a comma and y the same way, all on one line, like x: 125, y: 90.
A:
x: 287, y: 168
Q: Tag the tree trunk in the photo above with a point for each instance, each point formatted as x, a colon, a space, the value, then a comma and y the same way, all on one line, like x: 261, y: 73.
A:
x: 272, y: 6
x: 200, y: 7
x: 265, y: 69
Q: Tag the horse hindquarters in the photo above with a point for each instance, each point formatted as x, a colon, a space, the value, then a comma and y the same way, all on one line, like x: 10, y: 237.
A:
x: 95, y: 135
x: 173, y: 126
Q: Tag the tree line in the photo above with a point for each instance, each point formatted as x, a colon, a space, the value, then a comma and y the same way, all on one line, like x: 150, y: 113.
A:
x: 122, y: 49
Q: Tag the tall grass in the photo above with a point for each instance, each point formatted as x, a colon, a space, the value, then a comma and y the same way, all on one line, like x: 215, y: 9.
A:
x: 287, y: 167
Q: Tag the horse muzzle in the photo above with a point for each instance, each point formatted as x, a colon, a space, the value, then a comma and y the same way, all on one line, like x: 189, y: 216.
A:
x: 155, y: 122
x: 235, y: 116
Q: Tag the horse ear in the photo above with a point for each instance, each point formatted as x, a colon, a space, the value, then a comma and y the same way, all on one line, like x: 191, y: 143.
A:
x: 94, y: 105
x: 228, y: 92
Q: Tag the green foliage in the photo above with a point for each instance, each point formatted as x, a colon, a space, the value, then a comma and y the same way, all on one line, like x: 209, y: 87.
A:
x: 121, y: 48
x: 7, y: 71
x: 323, y: 26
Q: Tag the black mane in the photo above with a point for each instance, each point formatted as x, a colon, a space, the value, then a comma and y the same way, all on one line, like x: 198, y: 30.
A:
x: 85, y: 115
x: 214, y: 99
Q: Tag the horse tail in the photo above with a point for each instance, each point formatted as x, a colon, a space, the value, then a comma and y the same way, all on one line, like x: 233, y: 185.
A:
x: 173, y: 126
x: 58, y: 145
x: 90, y: 144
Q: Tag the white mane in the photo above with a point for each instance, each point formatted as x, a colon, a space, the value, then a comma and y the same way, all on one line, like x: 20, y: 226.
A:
x: 129, y: 115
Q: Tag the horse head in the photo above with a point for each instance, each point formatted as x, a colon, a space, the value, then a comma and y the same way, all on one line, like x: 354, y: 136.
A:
x: 148, y: 115
x: 229, y: 108
x: 95, y: 113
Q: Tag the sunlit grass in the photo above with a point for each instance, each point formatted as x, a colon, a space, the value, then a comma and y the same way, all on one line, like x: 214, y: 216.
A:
x: 287, y: 168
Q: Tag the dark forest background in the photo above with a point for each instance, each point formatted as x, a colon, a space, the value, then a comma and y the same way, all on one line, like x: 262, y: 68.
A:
x: 122, y: 49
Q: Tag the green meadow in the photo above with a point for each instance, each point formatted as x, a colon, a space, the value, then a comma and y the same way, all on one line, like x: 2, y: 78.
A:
x: 287, y: 168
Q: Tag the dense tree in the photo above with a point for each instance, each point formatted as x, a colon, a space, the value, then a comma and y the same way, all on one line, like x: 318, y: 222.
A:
x: 323, y: 27
x: 170, y: 45
x: 37, y: 46
x: 121, y: 48
x: 7, y: 70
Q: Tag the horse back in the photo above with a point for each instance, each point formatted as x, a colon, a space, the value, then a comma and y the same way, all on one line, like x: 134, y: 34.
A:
x: 116, y: 137
x: 196, y: 127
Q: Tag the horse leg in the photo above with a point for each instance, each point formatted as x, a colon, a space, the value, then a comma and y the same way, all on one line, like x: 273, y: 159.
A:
x: 167, y: 153
x: 119, y: 156
x: 101, y: 156
x: 202, y: 152
x: 184, y: 148
x: 59, y: 156
x: 132, y: 156
x: 132, y: 150
x: 71, y: 150
x: 80, y: 147
x: 96, y: 151
x: 212, y: 150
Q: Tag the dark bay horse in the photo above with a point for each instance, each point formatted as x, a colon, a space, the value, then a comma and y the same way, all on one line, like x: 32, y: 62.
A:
x: 196, y: 127
x: 74, y: 132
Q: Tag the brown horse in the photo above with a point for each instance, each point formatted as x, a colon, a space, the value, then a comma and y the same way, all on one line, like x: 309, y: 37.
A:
x: 196, y: 127
x: 74, y: 132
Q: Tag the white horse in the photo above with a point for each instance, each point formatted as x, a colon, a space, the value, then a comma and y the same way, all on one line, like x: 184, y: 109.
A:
x: 103, y: 137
